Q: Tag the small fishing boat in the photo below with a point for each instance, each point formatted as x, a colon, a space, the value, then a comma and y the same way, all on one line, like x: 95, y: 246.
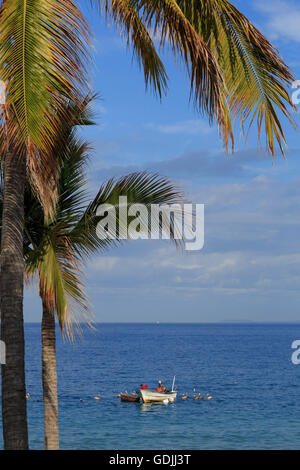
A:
x: 150, y: 396
x: 126, y: 397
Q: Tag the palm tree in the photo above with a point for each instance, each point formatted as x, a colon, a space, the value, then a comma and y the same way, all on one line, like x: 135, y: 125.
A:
x: 234, y: 73
x: 55, y: 248
x: 43, y: 52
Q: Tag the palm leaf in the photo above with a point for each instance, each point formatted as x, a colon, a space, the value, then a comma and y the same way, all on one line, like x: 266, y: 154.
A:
x: 128, y: 21
x: 60, y: 280
x: 255, y: 76
x: 43, y: 59
x: 166, y: 19
x: 139, y: 188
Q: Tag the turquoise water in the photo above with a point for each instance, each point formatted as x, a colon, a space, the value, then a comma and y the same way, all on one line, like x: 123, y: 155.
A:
x: 247, y: 369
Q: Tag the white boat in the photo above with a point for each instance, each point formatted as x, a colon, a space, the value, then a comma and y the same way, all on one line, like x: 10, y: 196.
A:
x: 149, y: 396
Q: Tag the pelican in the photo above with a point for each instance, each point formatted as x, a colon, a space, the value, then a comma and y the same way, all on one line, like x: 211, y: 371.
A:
x: 97, y: 397
x: 208, y: 397
x: 27, y: 396
x: 199, y: 397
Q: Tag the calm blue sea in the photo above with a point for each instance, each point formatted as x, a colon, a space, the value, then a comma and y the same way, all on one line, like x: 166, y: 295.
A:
x: 247, y: 369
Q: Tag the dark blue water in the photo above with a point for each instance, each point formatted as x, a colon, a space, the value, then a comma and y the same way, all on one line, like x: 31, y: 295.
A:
x: 246, y: 368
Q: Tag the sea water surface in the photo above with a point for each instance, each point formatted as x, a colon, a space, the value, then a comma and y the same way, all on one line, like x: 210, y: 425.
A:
x: 247, y: 368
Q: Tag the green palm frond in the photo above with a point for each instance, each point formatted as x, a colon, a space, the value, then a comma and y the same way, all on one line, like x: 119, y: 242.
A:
x: 255, y: 76
x: 44, y: 50
x: 165, y: 19
x: 139, y: 188
x: 128, y: 21
x: 60, y: 279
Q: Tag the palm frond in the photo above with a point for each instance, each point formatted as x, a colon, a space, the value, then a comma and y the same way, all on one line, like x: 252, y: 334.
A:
x: 165, y: 19
x: 128, y: 21
x: 139, y: 188
x: 71, y: 153
x: 60, y: 280
x: 255, y: 76
x: 66, y: 145
x: 44, y: 50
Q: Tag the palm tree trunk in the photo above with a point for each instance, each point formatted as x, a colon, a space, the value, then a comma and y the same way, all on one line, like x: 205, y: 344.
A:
x: 49, y: 377
x: 14, y: 415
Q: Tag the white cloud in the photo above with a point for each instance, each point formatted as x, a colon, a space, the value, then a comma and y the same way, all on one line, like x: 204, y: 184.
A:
x: 283, y: 19
x: 189, y: 127
x: 252, y: 232
x: 104, y: 263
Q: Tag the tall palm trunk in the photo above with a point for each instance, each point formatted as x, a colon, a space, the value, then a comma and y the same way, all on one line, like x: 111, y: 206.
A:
x: 49, y: 377
x: 14, y: 415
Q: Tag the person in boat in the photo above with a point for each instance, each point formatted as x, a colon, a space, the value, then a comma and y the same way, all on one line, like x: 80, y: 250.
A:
x: 161, y: 387
x: 143, y: 387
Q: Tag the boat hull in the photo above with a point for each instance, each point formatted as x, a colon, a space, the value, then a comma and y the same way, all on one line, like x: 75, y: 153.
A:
x: 148, y: 396
x: 125, y: 397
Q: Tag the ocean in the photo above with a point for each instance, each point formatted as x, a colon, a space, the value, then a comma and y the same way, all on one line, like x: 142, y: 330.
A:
x: 247, y: 369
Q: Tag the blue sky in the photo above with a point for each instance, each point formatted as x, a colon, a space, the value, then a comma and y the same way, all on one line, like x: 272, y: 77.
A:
x: 248, y: 269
